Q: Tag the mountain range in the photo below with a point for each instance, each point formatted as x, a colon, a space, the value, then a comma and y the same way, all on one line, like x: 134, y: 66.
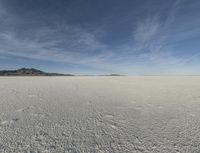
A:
x: 29, y: 72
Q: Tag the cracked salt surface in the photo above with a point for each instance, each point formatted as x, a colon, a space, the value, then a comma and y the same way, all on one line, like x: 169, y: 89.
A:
x: 100, y: 114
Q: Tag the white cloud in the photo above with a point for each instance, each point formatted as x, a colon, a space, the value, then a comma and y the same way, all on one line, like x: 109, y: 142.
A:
x: 147, y: 30
x: 152, y: 37
x: 150, y: 50
x: 67, y: 49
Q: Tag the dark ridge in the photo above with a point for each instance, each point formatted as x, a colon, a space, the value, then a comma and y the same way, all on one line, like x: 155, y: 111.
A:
x: 29, y: 72
x: 115, y: 75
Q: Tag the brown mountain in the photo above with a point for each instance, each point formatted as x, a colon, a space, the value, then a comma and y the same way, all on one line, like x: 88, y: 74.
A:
x: 29, y: 72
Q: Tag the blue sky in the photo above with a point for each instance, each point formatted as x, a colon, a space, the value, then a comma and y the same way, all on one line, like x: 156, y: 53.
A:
x: 132, y: 37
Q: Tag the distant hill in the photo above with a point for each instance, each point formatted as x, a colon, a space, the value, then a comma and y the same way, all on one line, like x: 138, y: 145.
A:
x: 29, y: 72
x: 115, y: 75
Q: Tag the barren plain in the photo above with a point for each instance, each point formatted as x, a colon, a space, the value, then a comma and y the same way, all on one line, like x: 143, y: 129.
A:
x: 150, y: 114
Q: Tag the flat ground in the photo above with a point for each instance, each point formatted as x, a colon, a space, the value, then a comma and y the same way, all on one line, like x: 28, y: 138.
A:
x: 100, y: 114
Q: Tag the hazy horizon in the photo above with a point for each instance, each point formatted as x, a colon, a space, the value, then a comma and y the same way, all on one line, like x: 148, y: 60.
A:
x: 132, y: 37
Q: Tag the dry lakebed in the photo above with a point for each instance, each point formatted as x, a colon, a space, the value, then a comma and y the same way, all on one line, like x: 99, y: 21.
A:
x: 107, y: 114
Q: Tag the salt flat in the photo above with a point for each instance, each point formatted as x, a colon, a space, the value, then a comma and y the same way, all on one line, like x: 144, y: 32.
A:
x: 100, y: 114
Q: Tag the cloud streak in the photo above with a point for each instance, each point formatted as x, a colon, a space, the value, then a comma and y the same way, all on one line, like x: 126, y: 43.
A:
x: 152, y: 37
x: 149, y: 50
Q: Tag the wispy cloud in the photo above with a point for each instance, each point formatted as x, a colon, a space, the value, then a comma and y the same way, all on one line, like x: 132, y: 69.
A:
x: 77, y: 48
x: 147, y: 30
x: 152, y: 38
x: 151, y: 50
x: 62, y: 43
